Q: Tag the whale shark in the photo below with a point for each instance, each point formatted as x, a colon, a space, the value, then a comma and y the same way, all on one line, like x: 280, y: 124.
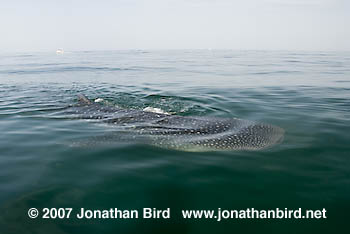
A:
x: 180, y: 132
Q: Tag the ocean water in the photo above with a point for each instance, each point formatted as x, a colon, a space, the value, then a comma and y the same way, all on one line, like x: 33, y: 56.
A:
x: 305, y: 93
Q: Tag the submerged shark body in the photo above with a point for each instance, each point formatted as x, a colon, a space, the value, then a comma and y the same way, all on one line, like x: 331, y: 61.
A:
x: 183, y: 133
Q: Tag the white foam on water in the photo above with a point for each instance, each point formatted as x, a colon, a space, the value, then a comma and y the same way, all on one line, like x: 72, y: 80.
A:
x: 155, y: 110
x: 99, y: 100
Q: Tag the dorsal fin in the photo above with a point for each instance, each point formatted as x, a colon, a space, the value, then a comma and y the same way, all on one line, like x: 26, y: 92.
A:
x: 83, y: 100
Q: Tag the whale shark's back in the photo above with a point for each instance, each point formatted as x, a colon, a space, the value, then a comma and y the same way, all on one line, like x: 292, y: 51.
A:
x: 196, y: 134
x: 183, y: 133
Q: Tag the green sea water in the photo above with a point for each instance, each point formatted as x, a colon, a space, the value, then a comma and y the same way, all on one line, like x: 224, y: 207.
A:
x: 305, y: 93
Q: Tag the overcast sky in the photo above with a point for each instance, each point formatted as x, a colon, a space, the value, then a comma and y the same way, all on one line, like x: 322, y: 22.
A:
x: 45, y: 25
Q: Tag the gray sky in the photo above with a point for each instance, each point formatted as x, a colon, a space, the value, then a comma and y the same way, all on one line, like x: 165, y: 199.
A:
x: 45, y: 25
